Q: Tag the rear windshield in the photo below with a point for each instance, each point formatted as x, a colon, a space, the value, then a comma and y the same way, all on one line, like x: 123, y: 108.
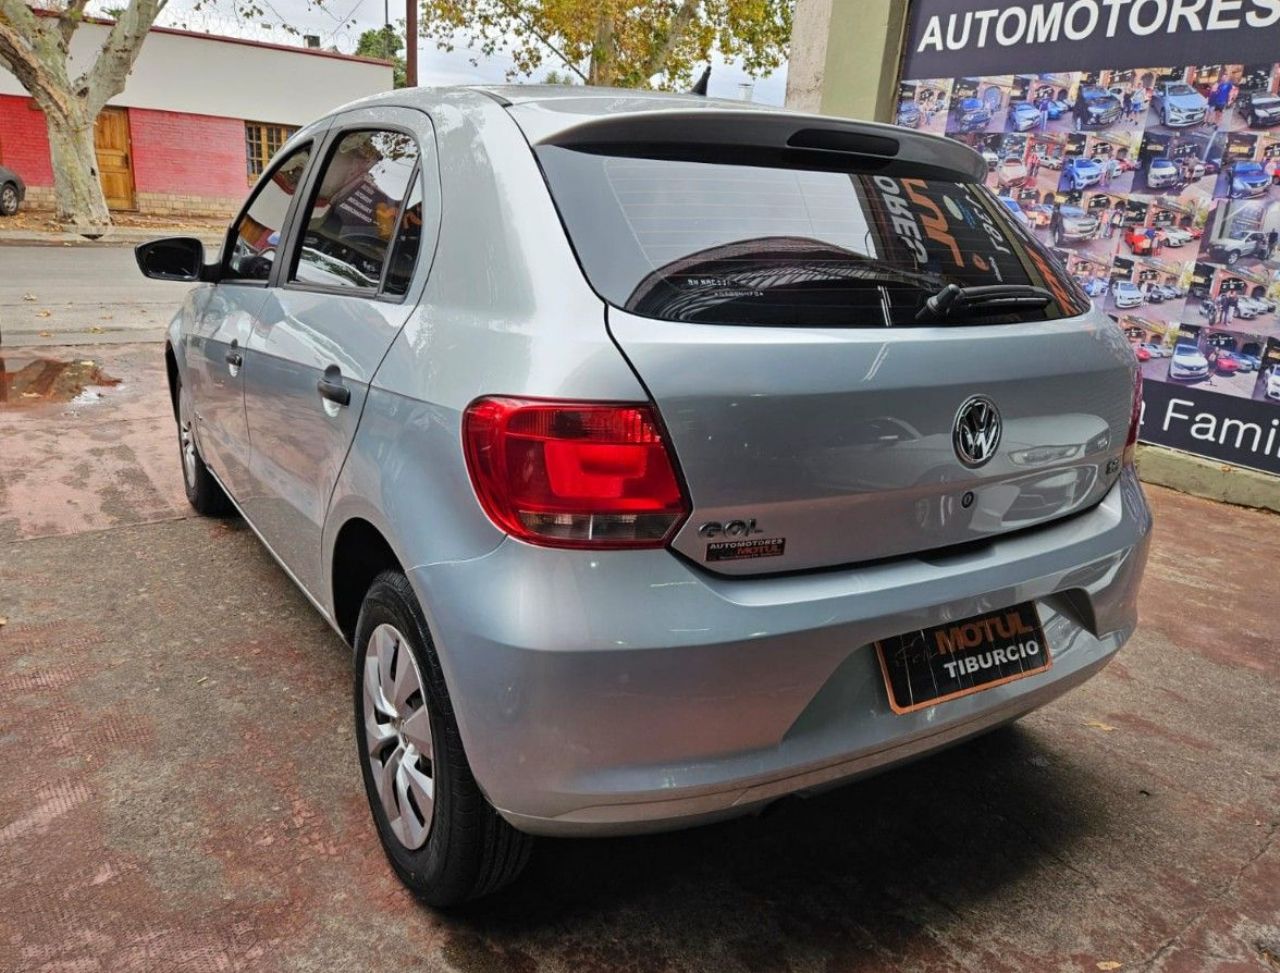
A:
x: 744, y: 244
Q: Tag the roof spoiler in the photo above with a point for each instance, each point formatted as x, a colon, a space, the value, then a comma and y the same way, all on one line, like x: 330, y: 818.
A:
x: 769, y: 138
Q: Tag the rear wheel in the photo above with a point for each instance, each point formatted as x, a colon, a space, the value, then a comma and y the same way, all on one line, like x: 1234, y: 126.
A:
x: 203, y: 492
x: 8, y: 199
x: 442, y: 837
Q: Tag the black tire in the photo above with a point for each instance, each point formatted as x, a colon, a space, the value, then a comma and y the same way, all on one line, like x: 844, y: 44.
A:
x: 203, y: 492
x: 8, y: 199
x: 469, y: 851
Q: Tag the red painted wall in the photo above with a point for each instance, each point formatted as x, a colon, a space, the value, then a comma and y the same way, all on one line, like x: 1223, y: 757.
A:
x: 24, y: 145
x: 189, y: 155
x: 193, y: 155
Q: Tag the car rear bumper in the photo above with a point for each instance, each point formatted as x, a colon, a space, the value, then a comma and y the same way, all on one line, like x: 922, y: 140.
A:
x: 621, y: 692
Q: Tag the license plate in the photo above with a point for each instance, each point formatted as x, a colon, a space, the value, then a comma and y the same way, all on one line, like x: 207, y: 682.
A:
x: 932, y: 665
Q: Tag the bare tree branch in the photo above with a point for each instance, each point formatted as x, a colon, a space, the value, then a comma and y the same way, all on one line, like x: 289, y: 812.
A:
x: 107, y: 77
x: 69, y: 20
x: 33, y: 54
x: 680, y: 23
x: 513, y: 8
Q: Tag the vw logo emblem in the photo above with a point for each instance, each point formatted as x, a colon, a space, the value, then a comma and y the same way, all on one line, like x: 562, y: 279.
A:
x: 977, y: 430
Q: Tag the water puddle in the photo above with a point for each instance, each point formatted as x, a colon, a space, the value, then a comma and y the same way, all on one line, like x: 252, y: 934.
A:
x: 29, y: 380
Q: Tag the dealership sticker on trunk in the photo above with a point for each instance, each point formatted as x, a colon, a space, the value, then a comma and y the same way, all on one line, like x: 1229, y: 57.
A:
x: 745, y: 550
x: 931, y: 665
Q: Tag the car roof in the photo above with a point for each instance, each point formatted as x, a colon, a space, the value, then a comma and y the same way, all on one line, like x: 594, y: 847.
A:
x: 577, y: 115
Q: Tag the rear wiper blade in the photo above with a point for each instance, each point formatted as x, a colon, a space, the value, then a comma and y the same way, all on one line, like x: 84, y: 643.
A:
x: 984, y: 299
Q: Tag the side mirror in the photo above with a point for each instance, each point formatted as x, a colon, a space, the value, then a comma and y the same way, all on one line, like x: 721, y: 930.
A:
x: 177, y: 258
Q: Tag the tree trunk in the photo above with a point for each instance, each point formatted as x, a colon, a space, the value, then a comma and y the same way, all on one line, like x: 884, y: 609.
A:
x: 77, y: 189
x: 601, y: 71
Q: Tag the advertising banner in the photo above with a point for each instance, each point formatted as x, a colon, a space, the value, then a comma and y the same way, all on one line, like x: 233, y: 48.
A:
x: 1140, y: 141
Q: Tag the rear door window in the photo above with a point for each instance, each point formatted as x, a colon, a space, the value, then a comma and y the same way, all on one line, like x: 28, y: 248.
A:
x: 356, y: 211
x: 744, y: 244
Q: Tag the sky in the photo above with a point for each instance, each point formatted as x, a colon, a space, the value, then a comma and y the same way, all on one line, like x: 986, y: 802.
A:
x: 340, y: 22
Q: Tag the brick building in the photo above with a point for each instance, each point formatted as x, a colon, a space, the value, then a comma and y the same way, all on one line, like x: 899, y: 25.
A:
x: 195, y: 124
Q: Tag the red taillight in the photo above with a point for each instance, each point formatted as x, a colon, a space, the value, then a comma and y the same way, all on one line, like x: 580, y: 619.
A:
x: 1135, y: 418
x: 573, y: 474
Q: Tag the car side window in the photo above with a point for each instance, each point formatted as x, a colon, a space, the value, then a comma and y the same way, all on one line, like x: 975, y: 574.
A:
x: 257, y: 234
x: 404, y: 254
x: 355, y: 211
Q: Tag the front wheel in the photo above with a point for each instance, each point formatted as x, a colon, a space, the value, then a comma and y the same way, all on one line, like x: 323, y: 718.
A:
x: 443, y: 838
x: 8, y: 199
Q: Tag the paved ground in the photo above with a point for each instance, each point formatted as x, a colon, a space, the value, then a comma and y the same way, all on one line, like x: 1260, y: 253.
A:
x: 60, y: 294
x: 181, y: 792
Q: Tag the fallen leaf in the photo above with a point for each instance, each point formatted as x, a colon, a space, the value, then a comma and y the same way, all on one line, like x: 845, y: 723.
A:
x: 1109, y: 964
x: 1106, y: 728
x: 96, y: 330
x: 43, y: 314
x: 31, y: 395
x: 3, y: 621
x: 45, y: 334
x: 29, y: 297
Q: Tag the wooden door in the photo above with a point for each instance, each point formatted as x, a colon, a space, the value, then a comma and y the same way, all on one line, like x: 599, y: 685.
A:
x: 115, y: 163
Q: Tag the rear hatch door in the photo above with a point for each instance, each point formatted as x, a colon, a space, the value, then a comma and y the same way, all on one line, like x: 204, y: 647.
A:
x: 771, y: 307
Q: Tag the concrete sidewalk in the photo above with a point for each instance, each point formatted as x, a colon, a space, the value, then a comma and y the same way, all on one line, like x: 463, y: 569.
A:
x: 116, y: 237
x: 38, y: 228
x: 182, y: 791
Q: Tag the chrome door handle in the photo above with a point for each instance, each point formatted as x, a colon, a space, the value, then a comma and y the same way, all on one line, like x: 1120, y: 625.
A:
x: 331, y: 388
x: 234, y: 359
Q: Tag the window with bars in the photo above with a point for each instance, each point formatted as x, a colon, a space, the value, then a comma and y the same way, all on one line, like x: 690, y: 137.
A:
x: 261, y: 142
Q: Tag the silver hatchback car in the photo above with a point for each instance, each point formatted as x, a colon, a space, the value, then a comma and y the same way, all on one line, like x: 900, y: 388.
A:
x: 658, y: 456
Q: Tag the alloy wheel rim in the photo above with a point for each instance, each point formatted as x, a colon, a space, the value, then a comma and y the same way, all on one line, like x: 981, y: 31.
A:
x: 397, y: 736
x: 186, y: 442
x: 8, y: 198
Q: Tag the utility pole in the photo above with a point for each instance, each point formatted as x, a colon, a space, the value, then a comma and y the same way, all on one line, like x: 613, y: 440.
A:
x: 411, y: 44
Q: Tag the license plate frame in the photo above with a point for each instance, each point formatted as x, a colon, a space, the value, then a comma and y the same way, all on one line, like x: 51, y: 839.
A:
x: 916, y: 662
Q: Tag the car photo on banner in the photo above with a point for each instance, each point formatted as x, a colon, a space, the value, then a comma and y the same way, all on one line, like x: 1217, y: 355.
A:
x: 1153, y: 288
x: 1233, y: 298
x: 1236, y: 363
x: 1181, y: 164
x: 1151, y: 342
x: 923, y: 105
x: 1159, y: 190
x: 1242, y: 234
x: 1085, y: 223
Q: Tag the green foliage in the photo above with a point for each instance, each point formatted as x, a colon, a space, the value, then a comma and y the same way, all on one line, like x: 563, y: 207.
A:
x: 631, y: 43
x: 386, y: 44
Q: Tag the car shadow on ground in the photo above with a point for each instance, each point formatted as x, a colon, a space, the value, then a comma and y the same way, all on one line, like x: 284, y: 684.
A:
x: 875, y: 862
